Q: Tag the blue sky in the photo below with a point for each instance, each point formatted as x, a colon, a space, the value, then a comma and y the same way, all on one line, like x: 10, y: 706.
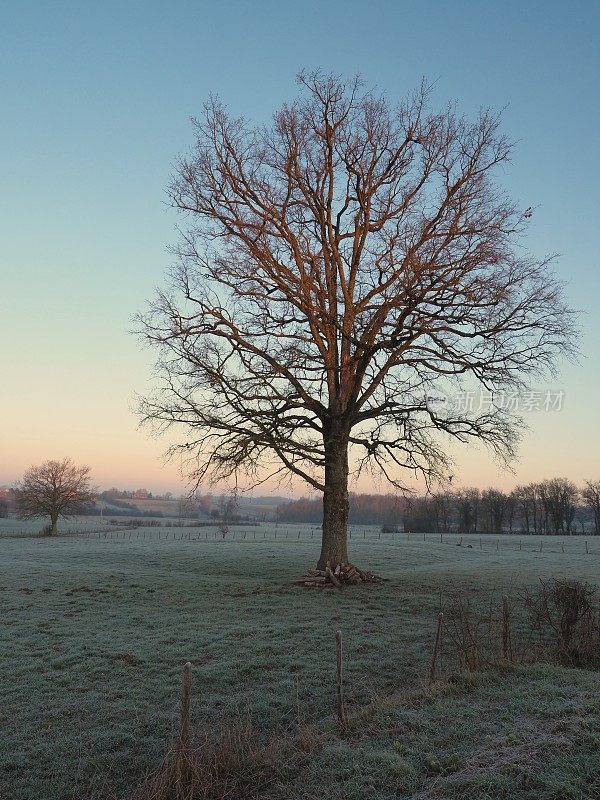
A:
x: 96, y: 105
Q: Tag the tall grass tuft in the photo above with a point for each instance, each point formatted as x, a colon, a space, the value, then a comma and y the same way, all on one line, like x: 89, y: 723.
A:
x: 231, y: 763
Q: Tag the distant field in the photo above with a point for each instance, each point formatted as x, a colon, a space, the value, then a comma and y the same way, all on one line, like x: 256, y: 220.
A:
x: 94, y: 629
x: 254, y: 507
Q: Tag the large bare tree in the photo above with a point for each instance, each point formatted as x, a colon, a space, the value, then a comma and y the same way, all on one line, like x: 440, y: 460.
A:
x: 339, y: 266
x: 54, y: 489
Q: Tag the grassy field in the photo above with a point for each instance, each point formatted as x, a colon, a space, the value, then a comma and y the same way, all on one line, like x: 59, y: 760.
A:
x: 94, y: 630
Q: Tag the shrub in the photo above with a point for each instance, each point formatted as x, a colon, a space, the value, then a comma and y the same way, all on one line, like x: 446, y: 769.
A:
x: 566, y: 609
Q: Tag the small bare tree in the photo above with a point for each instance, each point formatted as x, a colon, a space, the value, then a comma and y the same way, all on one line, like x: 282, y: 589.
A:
x: 342, y: 265
x: 591, y: 496
x: 55, y: 489
x: 227, y: 510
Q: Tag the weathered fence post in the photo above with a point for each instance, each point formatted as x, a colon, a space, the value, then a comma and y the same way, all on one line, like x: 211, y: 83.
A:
x: 341, y: 708
x: 436, y: 647
x: 506, y: 637
x: 183, y: 761
x: 186, y: 705
x: 586, y: 547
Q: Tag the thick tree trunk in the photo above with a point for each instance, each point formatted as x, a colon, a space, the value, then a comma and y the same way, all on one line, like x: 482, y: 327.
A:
x: 334, y: 544
x: 53, y: 525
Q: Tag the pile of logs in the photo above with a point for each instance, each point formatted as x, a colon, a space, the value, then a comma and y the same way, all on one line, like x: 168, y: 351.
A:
x: 338, y: 576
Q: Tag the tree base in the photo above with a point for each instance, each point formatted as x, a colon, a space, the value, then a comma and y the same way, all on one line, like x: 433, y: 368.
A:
x: 340, y: 576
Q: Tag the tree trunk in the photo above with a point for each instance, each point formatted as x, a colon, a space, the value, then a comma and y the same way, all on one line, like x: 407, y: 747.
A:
x: 334, y: 544
x: 54, y: 525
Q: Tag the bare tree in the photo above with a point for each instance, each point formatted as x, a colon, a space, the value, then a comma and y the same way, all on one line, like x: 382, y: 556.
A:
x: 494, y: 505
x: 341, y: 265
x: 55, y: 489
x: 559, y: 500
x: 512, y: 504
x: 591, y: 495
x: 187, y: 507
x: 227, y: 510
x: 468, y: 504
x: 526, y: 499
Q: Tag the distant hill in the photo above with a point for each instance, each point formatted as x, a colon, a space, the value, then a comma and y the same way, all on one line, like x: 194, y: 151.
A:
x: 365, y: 509
x: 263, y: 508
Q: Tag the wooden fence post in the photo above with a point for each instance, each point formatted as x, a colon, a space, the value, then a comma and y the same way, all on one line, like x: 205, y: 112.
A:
x: 506, y: 637
x: 341, y: 708
x: 183, y: 761
x: 436, y: 647
x: 186, y: 705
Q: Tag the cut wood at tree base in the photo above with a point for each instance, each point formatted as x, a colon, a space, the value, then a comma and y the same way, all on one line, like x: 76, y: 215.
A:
x: 340, y: 576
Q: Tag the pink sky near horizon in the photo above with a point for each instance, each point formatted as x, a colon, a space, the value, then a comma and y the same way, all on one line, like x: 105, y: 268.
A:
x: 123, y: 455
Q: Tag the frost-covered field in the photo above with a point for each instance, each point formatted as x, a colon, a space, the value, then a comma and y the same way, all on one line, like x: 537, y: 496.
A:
x: 94, y: 629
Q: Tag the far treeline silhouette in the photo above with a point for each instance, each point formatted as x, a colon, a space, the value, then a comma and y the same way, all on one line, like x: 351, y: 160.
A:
x: 555, y: 506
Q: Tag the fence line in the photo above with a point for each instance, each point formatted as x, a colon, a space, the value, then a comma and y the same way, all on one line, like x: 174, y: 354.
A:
x: 528, y: 544
x: 544, y: 544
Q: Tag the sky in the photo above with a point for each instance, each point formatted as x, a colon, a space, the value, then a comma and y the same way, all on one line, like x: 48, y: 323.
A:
x: 96, y: 106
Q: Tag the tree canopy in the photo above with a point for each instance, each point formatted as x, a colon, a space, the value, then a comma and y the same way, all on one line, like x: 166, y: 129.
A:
x: 54, y: 489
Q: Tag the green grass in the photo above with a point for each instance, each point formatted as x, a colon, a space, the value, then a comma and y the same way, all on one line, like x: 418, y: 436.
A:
x: 93, y: 633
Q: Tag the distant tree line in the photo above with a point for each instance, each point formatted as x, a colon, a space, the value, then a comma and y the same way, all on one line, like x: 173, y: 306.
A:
x: 113, y: 494
x: 555, y: 506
